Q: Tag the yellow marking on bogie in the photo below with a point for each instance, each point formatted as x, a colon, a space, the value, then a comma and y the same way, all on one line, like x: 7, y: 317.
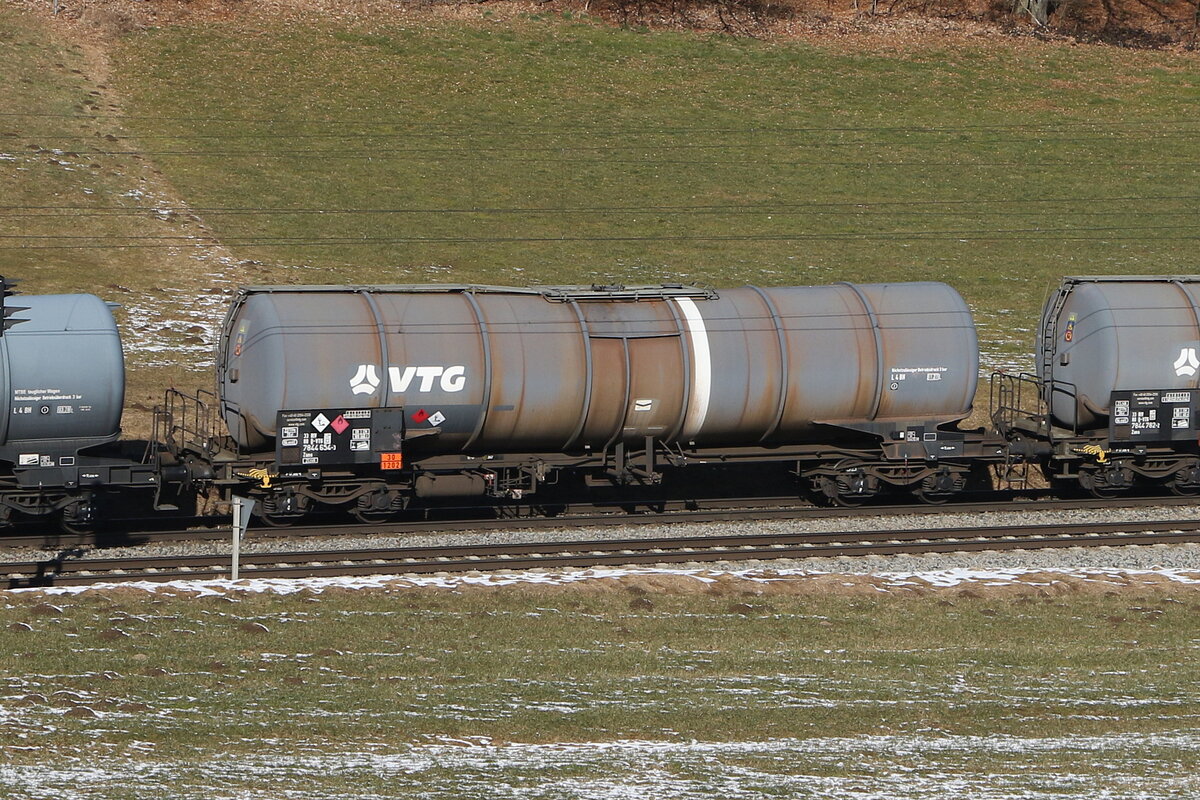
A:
x: 1094, y: 450
x: 261, y: 475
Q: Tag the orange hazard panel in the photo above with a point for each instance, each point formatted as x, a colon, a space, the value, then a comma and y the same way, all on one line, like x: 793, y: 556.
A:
x: 391, y: 461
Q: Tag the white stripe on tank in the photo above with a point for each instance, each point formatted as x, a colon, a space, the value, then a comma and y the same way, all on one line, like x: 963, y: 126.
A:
x: 701, y: 387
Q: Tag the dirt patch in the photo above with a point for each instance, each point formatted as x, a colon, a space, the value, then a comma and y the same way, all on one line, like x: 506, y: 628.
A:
x: 107, y: 23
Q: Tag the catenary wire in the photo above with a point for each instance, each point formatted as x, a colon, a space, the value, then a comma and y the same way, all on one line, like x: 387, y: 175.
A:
x: 851, y: 207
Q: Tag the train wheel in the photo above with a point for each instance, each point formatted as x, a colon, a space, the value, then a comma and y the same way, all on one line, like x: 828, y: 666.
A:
x: 1108, y: 482
x: 378, y: 506
x: 281, y: 510
x: 76, y: 528
x: 1104, y: 491
x: 938, y: 488
x: 932, y: 498
x: 278, y: 520
x: 826, y: 492
x: 79, y: 518
x: 1185, y: 481
x: 850, y: 488
x: 370, y: 517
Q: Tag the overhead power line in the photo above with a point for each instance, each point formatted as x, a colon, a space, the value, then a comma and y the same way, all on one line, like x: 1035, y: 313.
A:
x: 1035, y: 233
x: 605, y: 127
x: 764, y: 207
x: 462, y: 156
x: 1026, y: 138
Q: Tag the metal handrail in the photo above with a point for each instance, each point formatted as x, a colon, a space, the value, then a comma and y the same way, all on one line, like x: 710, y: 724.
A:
x: 567, y: 294
x: 1007, y: 404
x: 185, y: 422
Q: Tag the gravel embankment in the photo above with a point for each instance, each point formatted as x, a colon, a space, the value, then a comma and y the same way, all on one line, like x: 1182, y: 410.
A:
x: 1130, y: 557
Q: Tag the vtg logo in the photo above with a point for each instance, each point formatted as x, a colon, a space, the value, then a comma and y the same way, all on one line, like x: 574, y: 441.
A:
x: 1187, y: 363
x: 366, y: 380
x: 449, y: 379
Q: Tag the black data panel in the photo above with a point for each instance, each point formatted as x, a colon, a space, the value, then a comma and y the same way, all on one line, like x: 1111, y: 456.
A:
x: 326, y: 437
x: 1160, y: 415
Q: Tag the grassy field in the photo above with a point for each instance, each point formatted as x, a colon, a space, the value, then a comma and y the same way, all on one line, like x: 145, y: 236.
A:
x: 556, y: 149
x: 529, y: 693
x: 66, y: 199
x: 48, y: 131
x: 160, y: 166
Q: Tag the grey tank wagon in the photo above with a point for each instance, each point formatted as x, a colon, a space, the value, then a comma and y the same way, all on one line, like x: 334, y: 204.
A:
x: 1115, y: 402
x: 62, y: 389
x: 371, y: 396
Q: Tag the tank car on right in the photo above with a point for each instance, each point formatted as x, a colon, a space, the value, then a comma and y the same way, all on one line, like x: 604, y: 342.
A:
x: 1116, y: 398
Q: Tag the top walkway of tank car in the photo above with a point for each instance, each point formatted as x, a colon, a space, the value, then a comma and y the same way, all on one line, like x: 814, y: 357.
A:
x: 1130, y: 278
x: 552, y: 293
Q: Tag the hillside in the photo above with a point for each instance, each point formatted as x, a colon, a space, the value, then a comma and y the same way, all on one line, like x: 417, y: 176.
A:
x: 158, y: 153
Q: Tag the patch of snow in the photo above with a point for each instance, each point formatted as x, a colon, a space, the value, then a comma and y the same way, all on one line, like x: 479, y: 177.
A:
x: 159, y: 330
x: 1117, y: 766
x: 887, y: 581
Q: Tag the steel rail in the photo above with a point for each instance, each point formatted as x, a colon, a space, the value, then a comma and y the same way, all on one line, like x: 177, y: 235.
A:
x: 590, y: 553
x: 630, y: 513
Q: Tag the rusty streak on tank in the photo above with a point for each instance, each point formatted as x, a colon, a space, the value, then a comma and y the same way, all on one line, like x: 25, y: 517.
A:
x: 484, y: 369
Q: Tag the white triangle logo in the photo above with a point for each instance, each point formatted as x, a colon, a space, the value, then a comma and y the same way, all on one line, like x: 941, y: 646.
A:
x: 1187, y: 364
x: 366, y: 380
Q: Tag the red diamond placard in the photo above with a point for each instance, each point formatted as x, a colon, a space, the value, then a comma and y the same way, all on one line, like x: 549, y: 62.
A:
x: 420, y: 416
x: 339, y: 424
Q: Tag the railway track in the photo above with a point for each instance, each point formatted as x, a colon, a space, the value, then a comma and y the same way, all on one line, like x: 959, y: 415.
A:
x: 65, y: 570
x: 480, y: 518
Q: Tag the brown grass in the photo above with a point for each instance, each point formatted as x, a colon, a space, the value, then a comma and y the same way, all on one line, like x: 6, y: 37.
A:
x: 889, y: 26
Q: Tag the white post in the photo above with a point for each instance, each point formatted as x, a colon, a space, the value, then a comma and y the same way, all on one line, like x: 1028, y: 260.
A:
x: 241, y: 520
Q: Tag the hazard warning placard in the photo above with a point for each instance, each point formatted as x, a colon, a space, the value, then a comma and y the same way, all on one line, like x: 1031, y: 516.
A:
x: 326, y: 437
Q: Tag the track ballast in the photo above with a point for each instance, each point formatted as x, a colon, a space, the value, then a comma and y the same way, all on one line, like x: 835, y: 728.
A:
x: 65, y: 571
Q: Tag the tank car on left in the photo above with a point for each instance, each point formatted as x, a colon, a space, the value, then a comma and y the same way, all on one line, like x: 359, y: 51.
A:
x: 62, y: 390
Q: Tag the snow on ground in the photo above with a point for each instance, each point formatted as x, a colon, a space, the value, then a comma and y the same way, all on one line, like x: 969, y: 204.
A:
x: 869, y: 767
x: 884, y: 582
